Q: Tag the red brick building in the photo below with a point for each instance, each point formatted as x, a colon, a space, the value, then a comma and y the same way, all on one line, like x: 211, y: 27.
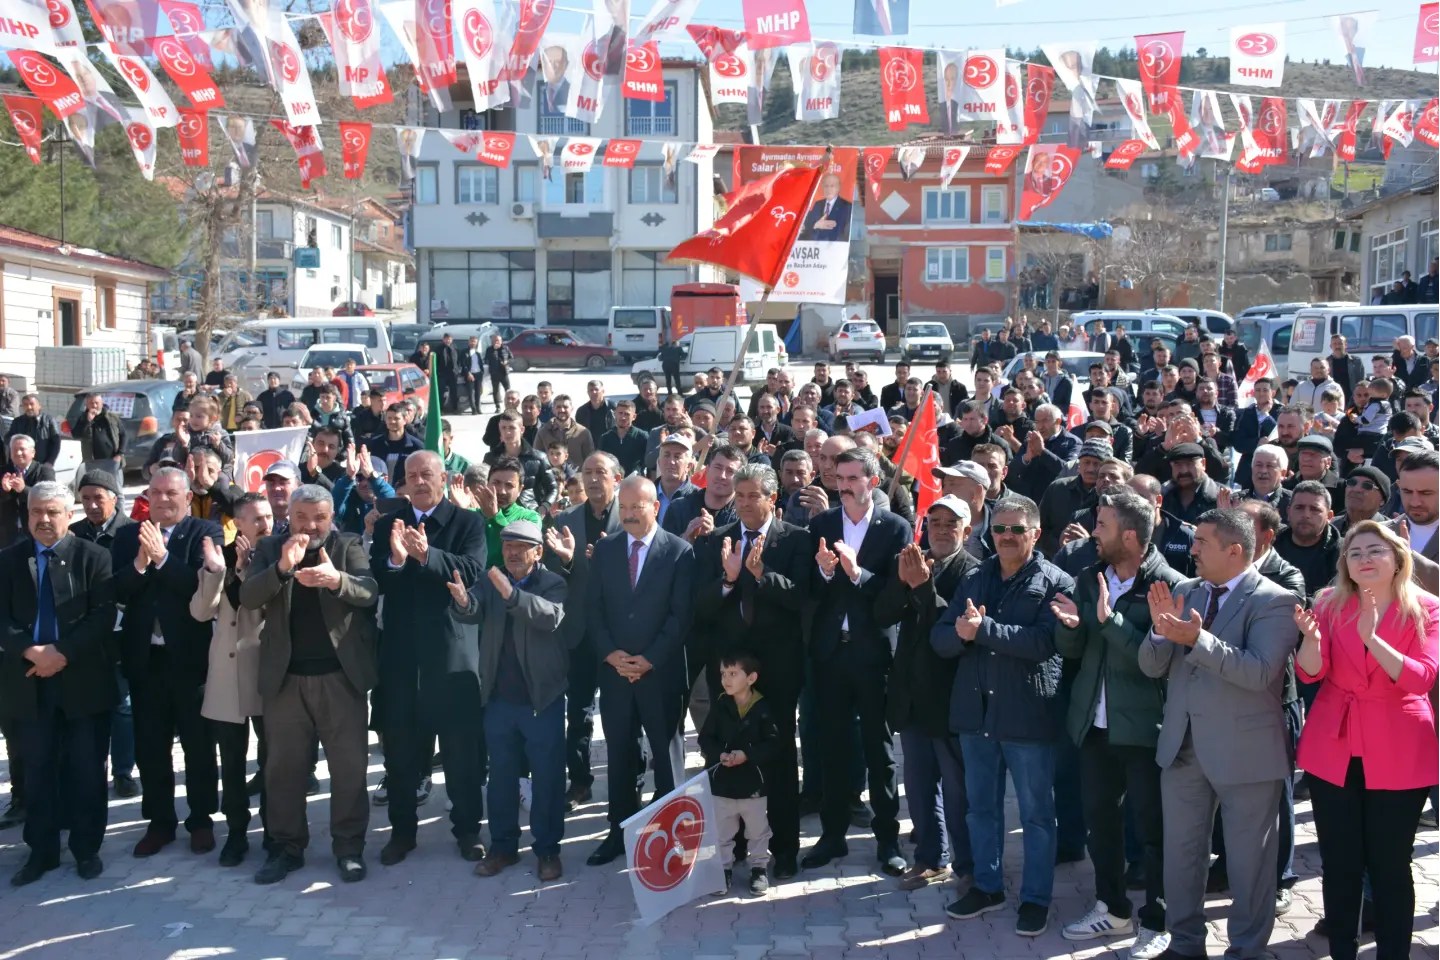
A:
x: 939, y: 253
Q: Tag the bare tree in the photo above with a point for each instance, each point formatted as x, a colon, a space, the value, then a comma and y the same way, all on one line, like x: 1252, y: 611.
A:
x: 1160, y: 252
x: 1060, y: 257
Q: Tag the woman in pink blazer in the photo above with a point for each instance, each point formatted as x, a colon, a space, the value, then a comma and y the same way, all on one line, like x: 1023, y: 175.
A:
x: 1369, y: 742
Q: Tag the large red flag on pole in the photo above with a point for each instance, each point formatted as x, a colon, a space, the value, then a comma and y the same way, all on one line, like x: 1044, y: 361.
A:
x: 754, y: 235
x: 919, y: 455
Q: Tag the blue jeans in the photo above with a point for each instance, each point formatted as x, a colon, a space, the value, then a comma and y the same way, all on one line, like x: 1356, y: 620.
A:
x: 516, y: 738
x: 122, y: 733
x: 935, y: 774
x: 1032, y: 770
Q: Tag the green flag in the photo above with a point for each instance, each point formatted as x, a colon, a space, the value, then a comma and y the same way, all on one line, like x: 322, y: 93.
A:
x: 433, y: 415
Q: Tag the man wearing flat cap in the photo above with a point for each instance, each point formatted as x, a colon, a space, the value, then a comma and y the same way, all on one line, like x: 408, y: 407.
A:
x: 1190, y: 492
x: 1315, y: 460
x: 524, y: 670
x: 1367, y: 490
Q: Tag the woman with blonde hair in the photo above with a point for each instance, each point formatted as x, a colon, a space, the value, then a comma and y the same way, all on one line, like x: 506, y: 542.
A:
x: 1369, y: 743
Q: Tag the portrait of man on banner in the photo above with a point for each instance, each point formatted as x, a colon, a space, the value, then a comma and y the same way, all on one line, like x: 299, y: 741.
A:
x: 829, y: 217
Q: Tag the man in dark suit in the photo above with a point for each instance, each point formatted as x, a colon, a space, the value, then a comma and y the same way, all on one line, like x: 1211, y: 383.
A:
x: 431, y: 663
x: 638, y: 612
x: 317, y: 661
x: 447, y: 368
x: 855, y: 545
x: 24, y: 471
x: 752, y: 581
x: 35, y: 423
x: 829, y: 218
x: 57, y: 685
x: 164, y: 653
x: 568, y: 546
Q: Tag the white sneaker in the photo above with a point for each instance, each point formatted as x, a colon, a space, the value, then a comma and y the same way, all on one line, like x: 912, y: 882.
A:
x: 1099, y: 922
x: 1149, y: 945
x: 527, y: 791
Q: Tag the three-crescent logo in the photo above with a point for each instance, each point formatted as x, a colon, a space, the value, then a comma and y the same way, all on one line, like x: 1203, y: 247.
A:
x: 952, y: 158
x: 256, y: 466
x: 1271, y: 122
x: 823, y: 62
x: 781, y: 216
x: 900, y: 75
x: 580, y: 149
x: 1256, y: 44
x: 479, y: 37
x: 1012, y: 90
x: 287, y: 61
x: 533, y: 13
x: 622, y: 148
x: 355, y: 139
x: 874, y: 164
x: 183, y: 20
x: 1133, y: 107
x: 38, y: 72
x: 173, y: 54
x: 1157, y: 58
x: 1429, y: 119
x: 998, y: 154
x: 437, y: 19
x: 639, y: 59
x: 593, y: 63
x: 729, y: 65
x: 354, y: 19
x: 981, y: 72
x: 59, y: 13
x: 1060, y: 167
x: 666, y: 847
x: 791, y: 279
x: 498, y: 144
x: 134, y: 72
x: 1431, y: 24
x: 140, y: 136
x: 1038, y: 91
x: 190, y: 125
x: 24, y: 123
x: 1130, y: 148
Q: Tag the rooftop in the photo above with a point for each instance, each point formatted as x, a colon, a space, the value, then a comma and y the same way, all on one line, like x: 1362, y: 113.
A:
x: 16, y: 239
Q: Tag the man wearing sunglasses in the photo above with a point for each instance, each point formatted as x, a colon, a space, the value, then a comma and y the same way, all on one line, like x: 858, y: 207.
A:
x: 1367, y: 489
x: 1001, y: 628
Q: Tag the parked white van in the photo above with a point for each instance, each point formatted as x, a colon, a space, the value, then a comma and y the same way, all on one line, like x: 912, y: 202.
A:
x: 260, y: 346
x: 1368, y: 331
x: 717, y: 347
x: 638, y: 331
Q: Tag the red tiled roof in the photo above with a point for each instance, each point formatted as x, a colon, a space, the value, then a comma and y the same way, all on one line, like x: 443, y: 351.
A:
x: 14, y: 237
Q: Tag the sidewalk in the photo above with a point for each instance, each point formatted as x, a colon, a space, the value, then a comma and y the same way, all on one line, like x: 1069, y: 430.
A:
x: 431, y: 906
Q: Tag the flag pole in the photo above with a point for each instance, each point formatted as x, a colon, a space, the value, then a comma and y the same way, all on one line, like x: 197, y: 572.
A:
x: 909, y: 439
x: 754, y: 320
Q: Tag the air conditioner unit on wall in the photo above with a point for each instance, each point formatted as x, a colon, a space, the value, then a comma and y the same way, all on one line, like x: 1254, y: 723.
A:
x: 522, y: 211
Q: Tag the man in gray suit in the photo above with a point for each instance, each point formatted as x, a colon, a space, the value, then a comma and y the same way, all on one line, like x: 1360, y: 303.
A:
x: 1222, y: 641
x: 317, y: 660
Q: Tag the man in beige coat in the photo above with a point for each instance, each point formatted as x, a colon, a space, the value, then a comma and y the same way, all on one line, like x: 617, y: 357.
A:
x: 232, y: 685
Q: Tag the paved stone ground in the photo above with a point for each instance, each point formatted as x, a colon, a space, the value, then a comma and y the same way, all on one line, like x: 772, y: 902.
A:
x: 431, y: 906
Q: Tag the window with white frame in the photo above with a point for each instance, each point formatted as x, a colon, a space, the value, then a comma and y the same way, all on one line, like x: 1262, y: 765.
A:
x: 649, y: 185
x: 652, y: 118
x: 947, y: 265
x: 576, y: 189
x: 427, y: 183
x: 1428, y: 245
x: 337, y: 236
x: 992, y: 204
x: 995, y: 264
x: 526, y: 178
x: 551, y: 117
x: 1387, y: 260
x: 476, y: 183
x: 947, y: 206
x: 265, y: 224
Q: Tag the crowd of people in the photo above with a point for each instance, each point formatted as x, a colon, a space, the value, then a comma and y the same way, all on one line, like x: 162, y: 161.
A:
x: 1138, y: 617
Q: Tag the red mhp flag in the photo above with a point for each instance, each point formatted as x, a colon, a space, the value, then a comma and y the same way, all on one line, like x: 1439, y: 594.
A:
x: 1264, y: 366
x: 27, y: 115
x: 621, y: 153
x: 193, y: 129
x: 496, y: 148
x: 1124, y: 155
x: 1186, y: 139
x: 1427, y: 34
x: 435, y: 42
x: 1272, y: 133
x: 902, y: 87
x: 922, y: 456
x: 1345, y: 142
x: 1427, y: 125
x: 189, y: 25
x: 998, y: 160
x: 309, y: 151
x: 48, y: 82
x: 754, y: 235
x: 1039, y: 85
x: 192, y: 78
x: 1047, y: 171
x: 354, y: 148
x: 643, y: 78
x: 775, y: 23
x: 1159, y: 61
x: 876, y: 160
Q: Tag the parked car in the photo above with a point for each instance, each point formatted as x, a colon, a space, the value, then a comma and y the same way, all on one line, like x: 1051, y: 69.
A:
x: 405, y: 337
x: 928, y: 340
x: 855, y: 339
x: 1074, y: 362
x: 708, y: 347
x: 253, y: 349
x: 330, y: 355
x: 1213, y: 322
x: 352, y: 308
x: 1368, y: 331
x: 460, y: 334
x: 400, y: 381
x: 556, y: 347
x: 142, y: 405
x: 1139, y: 324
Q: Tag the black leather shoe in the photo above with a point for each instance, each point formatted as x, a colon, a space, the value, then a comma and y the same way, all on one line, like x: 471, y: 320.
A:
x: 784, y: 869
x: 611, y: 848
x: 891, y: 862
x: 278, y: 867
x: 471, y: 849
x: 823, y: 852
x: 233, y: 853
x: 577, y: 796
x: 126, y: 787
x: 352, y: 869
x: 395, y: 851
x: 34, y: 869
x: 89, y: 868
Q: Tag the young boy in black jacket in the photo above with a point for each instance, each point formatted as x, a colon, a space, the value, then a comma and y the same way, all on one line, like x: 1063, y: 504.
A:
x: 739, y: 735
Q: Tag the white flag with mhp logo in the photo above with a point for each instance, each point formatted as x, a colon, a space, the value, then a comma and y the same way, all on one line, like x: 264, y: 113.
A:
x: 673, y: 850
x: 256, y: 451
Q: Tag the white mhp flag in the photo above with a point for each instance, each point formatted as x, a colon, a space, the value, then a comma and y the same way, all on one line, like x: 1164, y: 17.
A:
x: 256, y: 451
x: 673, y: 850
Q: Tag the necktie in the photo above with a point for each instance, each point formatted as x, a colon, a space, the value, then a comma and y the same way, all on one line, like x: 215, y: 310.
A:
x: 47, y: 626
x: 635, y: 547
x: 1213, y: 608
x: 747, y: 612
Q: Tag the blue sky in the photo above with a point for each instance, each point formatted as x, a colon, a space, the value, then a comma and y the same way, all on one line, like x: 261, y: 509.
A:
x: 1112, y: 23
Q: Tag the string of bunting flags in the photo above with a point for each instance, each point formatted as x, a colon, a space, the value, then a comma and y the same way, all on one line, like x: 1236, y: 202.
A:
x: 512, y: 59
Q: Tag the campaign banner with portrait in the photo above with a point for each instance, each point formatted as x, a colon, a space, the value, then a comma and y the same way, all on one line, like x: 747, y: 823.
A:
x: 819, y: 262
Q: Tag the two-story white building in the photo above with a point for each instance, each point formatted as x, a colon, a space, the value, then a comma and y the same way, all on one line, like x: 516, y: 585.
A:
x: 511, y: 244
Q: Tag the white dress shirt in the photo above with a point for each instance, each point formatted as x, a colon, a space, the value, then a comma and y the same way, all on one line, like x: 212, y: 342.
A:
x: 644, y: 542
x: 1118, y: 589
x: 764, y: 531
x: 854, y: 535
x: 1420, y: 536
